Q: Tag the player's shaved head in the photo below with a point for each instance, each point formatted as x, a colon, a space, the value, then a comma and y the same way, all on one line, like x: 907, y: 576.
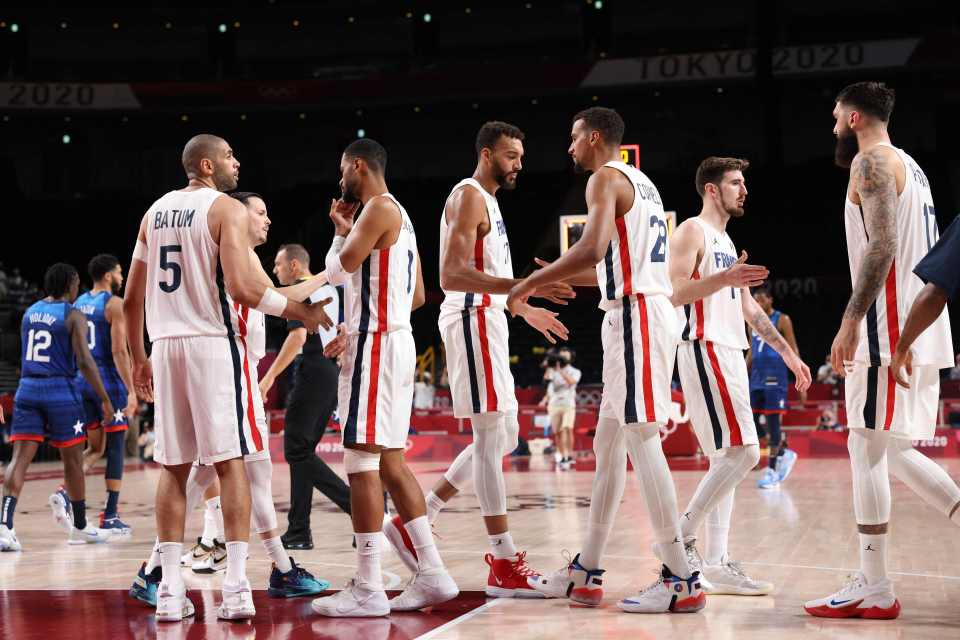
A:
x: 198, y: 147
x: 208, y: 158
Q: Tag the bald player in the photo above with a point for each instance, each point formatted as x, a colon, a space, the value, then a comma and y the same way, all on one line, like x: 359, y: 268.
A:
x: 192, y: 251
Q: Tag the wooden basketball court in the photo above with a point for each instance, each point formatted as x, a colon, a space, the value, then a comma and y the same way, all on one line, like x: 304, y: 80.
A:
x: 801, y: 537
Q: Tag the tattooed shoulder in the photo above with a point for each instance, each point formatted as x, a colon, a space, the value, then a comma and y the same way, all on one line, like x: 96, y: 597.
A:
x: 871, y: 172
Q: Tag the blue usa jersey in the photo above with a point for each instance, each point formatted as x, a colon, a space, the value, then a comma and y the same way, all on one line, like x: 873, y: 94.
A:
x: 94, y: 306
x: 767, y: 367
x: 45, y: 339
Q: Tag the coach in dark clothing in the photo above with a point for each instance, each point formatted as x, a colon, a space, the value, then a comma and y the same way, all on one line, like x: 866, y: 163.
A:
x: 310, y: 403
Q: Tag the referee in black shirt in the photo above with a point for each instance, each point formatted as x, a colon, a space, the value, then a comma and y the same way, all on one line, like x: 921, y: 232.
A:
x: 310, y: 402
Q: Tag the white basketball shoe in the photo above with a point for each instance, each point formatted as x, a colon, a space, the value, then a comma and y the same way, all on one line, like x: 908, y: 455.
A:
x: 426, y: 589
x: 354, y: 601
x: 857, y: 599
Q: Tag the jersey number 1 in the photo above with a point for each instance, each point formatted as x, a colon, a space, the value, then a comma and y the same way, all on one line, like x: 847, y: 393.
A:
x: 176, y: 273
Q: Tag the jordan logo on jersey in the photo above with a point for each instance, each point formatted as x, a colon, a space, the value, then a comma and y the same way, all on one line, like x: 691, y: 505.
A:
x: 174, y: 218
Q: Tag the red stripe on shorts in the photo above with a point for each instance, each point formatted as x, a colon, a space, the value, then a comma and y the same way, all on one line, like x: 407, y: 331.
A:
x: 242, y: 313
x: 383, y: 266
x: 736, y: 439
x: 647, y: 381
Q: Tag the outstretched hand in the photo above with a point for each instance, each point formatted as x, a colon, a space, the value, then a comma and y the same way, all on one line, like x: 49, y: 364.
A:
x: 544, y: 321
x: 740, y: 274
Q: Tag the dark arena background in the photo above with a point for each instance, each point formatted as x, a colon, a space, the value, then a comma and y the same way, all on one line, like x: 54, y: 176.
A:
x: 97, y: 102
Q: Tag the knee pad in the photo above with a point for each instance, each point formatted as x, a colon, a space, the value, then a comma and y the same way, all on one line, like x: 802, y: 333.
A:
x: 356, y: 461
x: 263, y: 513
x: 115, y: 442
x: 511, y: 433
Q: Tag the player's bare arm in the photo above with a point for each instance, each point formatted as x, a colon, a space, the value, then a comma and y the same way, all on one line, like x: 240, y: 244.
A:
x: 299, y: 292
x: 230, y: 217
x: 419, y: 291
x: 77, y: 324
x: 603, y: 189
x: 926, y: 308
x: 377, y: 227
x: 133, y: 309
x: 121, y: 352
x: 466, y: 214
x: 686, y: 251
x: 586, y: 278
x: 873, y: 183
x: 759, y: 321
x: 292, y: 345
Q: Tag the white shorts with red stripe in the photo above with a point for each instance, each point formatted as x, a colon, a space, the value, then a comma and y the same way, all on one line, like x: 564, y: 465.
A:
x: 375, y: 393
x: 875, y: 401
x: 639, y: 339
x: 478, y: 362
x: 207, y: 405
x: 716, y: 391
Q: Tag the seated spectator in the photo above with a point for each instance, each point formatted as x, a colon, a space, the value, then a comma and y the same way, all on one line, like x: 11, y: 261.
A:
x: 828, y: 421
x: 424, y: 392
x: 826, y: 374
x: 955, y: 372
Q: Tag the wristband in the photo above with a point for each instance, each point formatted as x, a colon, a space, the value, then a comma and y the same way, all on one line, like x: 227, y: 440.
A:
x: 272, y: 303
x: 335, y: 273
x: 140, y: 251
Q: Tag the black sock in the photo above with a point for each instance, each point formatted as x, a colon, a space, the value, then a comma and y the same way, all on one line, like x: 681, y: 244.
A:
x: 79, y: 513
x: 110, y: 510
x: 6, y: 511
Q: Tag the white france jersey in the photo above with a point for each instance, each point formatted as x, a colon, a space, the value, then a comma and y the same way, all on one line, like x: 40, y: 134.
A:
x: 916, y: 233
x: 636, y: 259
x: 381, y: 290
x: 185, y: 295
x: 718, y: 317
x: 491, y: 254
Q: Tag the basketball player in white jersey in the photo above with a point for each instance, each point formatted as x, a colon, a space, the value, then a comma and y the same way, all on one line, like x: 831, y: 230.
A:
x: 193, y: 249
x: 476, y: 273
x: 376, y: 258
x: 286, y: 578
x: 890, y: 227
x: 711, y: 289
x: 624, y: 251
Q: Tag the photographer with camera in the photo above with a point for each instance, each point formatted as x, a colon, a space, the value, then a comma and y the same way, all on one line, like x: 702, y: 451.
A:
x: 561, y: 400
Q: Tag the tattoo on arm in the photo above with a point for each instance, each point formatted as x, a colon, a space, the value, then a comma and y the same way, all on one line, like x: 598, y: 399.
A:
x: 876, y: 184
x: 760, y: 322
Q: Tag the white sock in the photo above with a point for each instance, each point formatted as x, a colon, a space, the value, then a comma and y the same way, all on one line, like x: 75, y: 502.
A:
x: 154, y: 560
x: 502, y: 545
x: 170, y: 553
x: 368, y: 560
x: 873, y: 556
x: 718, y: 530
x: 276, y: 552
x: 212, y: 522
x: 236, y: 563
x: 422, y: 538
x: 674, y: 556
x: 596, y: 544
x: 434, y: 506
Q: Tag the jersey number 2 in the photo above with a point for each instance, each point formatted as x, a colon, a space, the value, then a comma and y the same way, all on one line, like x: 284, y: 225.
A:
x: 176, y: 273
x: 659, y: 253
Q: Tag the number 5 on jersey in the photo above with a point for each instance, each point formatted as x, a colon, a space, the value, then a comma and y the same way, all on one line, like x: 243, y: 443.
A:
x: 167, y: 264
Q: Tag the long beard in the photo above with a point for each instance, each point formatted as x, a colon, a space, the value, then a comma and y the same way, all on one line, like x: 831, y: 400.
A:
x: 846, y: 150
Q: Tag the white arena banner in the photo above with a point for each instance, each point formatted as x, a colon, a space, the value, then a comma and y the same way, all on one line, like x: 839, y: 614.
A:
x: 69, y: 96
x: 741, y: 63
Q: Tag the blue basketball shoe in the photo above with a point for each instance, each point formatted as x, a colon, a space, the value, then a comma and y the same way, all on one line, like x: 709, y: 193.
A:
x: 114, y: 525
x: 296, y: 582
x: 145, y: 585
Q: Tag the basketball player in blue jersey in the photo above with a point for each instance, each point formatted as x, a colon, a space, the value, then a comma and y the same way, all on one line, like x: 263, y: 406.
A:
x: 103, y: 308
x: 768, y: 389
x: 48, y: 407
